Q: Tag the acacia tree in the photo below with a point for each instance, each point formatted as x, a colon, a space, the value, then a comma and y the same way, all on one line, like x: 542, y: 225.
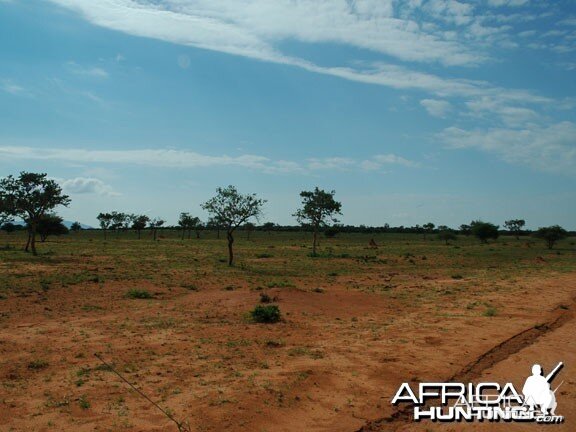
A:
x: 76, y: 226
x: 551, y: 234
x: 249, y: 227
x: 30, y: 196
x: 465, y: 229
x: 187, y: 223
x: 484, y: 230
x: 154, y: 225
x: 50, y: 225
x: 428, y: 228
x: 446, y: 234
x: 120, y: 221
x: 515, y: 226
x: 268, y: 226
x: 105, y: 220
x: 318, y: 207
x: 232, y: 209
x: 139, y: 223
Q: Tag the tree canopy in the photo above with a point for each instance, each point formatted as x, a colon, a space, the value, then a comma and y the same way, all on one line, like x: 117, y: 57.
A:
x: 318, y: 208
x: 232, y: 209
x: 30, y: 196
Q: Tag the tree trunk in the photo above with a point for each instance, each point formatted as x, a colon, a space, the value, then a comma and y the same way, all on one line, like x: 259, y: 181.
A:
x: 33, y: 239
x: 27, y: 248
x: 230, y: 251
x: 217, y: 233
x: 155, y: 232
x: 105, y: 234
x: 315, y: 241
x: 197, y: 234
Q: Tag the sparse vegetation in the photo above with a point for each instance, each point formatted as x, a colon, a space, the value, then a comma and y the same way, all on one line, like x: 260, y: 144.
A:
x: 266, y: 314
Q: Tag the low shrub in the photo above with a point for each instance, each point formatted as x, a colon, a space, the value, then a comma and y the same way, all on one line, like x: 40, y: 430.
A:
x: 138, y: 294
x: 265, y: 314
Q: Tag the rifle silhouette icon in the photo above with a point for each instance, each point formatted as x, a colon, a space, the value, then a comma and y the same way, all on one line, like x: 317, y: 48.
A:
x: 554, y: 371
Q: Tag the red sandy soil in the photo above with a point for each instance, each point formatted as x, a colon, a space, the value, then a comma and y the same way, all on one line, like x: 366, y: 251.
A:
x: 332, y: 364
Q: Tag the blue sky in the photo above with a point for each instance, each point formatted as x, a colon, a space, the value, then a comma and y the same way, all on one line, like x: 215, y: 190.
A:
x: 413, y: 111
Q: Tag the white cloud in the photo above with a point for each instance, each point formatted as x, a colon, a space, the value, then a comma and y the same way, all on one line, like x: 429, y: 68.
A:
x: 9, y: 86
x: 436, y: 108
x: 509, y: 3
x: 90, y: 71
x: 549, y: 148
x: 87, y: 185
x: 408, y: 31
x: 494, y: 108
x: 251, y: 28
x: 186, y: 159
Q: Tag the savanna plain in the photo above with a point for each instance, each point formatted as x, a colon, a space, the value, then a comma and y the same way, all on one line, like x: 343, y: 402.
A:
x: 356, y: 321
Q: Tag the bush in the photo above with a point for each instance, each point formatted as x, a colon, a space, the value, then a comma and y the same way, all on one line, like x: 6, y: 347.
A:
x: 484, y: 231
x: 551, y: 234
x: 138, y: 294
x: 265, y: 314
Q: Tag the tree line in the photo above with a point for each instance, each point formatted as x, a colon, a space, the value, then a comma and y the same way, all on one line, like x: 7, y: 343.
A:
x: 33, y: 197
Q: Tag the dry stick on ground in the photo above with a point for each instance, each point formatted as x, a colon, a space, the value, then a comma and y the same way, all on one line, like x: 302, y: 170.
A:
x: 181, y: 426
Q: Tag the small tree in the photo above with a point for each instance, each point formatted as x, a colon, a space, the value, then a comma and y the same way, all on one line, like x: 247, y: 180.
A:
x: 139, y: 223
x: 154, y: 225
x: 9, y: 227
x: 268, y: 226
x: 447, y: 235
x: 249, y: 228
x: 318, y: 207
x: 484, y: 230
x: 50, y: 225
x: 215, y: 224
x: 121, y: 221
x: 515, y: 226
x: 75, y: 227
x: 465, y: 229
x: 551, y: 234
x: 232, y: 209
x: 428, y: 228
x: 105, y: 220
x: 31, y: 196
x: 188, y: 223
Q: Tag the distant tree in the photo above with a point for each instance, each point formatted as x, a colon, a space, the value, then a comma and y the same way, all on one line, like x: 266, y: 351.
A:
x: 268, y: 226
x: 249, y: 228
x: 215, y: 224
x: 139, y: 223
x: 551, y: 234
x: 515, y: 226
x: 75, y: 227
x: 50, y: 225
x: 105, y: 220
x: 233, y: 209
x: 31, y: 196
x: 428, y: 228
x: 318, y: 207
x: 154, y: 225
x: 121, y: 221
x: 484, y: 230
x: 188, y: 223
x: 9, y: 227
x: 5, y: 211
x: 330, y: 232
x: 446, y: 234
x: 465, y: 229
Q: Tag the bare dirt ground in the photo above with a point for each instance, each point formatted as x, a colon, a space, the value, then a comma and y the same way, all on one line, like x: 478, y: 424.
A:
x: 332, y: 364
x: 356, y: 322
